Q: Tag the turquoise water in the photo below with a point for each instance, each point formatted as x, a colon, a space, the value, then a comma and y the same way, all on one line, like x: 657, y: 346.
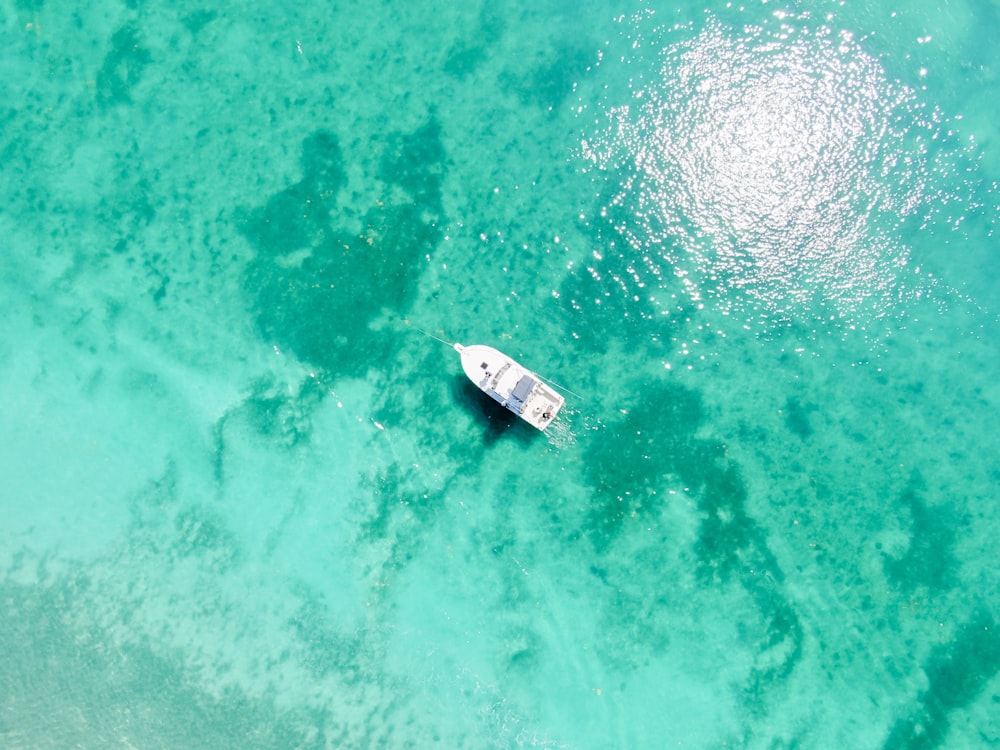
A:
x: 247, y: 504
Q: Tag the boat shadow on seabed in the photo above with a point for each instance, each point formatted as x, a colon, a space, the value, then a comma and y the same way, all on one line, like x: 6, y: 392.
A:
x: 494, y: 418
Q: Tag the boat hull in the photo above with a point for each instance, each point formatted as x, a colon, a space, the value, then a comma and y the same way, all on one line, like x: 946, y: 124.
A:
x: 510, y: 384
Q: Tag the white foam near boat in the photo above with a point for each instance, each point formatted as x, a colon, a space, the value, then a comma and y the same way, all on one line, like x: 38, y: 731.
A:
x: 510, y: 384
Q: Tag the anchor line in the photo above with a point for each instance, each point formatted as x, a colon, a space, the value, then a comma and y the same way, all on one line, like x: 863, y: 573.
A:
x: 436, y: 338
x: 562, y: 388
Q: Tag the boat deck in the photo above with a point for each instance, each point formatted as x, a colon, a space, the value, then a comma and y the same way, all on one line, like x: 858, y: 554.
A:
x: 511, y: 385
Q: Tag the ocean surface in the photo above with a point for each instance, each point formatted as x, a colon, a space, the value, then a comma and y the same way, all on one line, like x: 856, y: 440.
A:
x: 247, y: 503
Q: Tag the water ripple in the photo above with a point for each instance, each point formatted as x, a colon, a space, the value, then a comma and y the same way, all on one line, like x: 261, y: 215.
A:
x: 769, y: 169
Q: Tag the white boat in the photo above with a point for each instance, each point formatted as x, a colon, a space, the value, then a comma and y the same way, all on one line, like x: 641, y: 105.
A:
x: 510, y: 384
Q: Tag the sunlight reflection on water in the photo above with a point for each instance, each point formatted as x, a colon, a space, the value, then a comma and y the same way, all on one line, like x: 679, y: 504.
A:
x: 775, y: 163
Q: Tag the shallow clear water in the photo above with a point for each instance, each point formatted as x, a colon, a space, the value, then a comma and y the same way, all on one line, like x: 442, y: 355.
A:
x: 246, y: 503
